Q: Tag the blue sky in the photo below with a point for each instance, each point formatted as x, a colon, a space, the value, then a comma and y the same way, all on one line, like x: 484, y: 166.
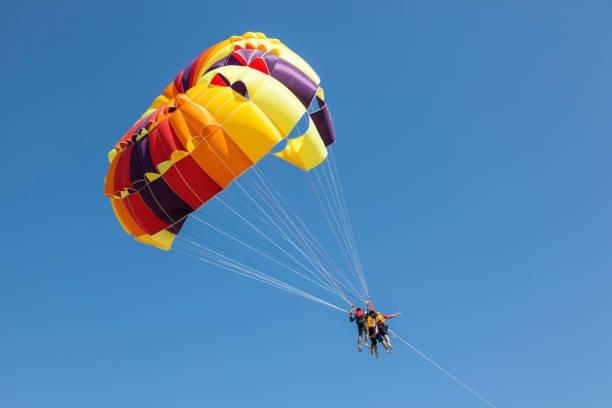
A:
x: 474, y: 145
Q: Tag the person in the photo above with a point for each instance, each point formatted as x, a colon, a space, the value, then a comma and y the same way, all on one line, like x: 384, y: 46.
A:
x: 372, y: 332
x: 358, y: 316
x: 383, y: 329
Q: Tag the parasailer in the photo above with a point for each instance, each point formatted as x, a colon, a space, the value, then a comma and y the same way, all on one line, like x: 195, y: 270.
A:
x: 358, y: 316
x: 383, y: 328
x: 372, y: 332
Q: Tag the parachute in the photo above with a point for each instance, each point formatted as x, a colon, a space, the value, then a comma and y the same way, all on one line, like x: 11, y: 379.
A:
x: 239, y: 101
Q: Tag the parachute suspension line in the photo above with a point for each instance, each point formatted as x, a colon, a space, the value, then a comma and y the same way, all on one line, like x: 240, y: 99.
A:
x: 252, y: 242
x: 330, y: 199
x: 342, y: 216
x: 263, y: 234
x: 279, y: 230
x: 243, y: 270
x: 439, y: 367
x: 306, y: 235
x: 314, y: 262
x: 336, y: 268
x: 329, y: 216
x: 298, y: 236
x: 279, y: 210
x: 273, y: 259
x: 243, y: 238
x: 267, y: 216
x: 222, y: 260
x: 340, y: 232
x: 338, y: 184
x: 329, y: 222
x: 302, y: 234
x: 284, y: 235
x: 219, y: 257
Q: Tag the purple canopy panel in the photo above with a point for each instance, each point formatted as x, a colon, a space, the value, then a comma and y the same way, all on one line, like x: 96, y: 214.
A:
x: 140, y: 163
x: 323, y: 121
x: 240, y: 88
x: 297, y: 82
x: 160, y: 198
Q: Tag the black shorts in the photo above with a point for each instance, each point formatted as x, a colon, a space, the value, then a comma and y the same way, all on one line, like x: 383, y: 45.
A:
x: 360, y: 328
x: 382, y: 329
x: 373, y: 335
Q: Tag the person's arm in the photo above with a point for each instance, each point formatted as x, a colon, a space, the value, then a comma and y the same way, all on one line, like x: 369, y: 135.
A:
x: 392, y: 315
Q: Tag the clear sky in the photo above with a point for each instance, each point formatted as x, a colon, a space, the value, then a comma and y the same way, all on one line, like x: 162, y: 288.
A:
x: 474, y: 144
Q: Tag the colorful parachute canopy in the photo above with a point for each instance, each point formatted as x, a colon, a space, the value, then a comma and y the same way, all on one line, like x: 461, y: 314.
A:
x: 225, y: 111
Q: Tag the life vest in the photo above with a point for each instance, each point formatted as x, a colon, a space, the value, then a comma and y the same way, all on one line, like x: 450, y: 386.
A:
x: 360, y: 317
x: 370, y: 322
x: 380, y: 319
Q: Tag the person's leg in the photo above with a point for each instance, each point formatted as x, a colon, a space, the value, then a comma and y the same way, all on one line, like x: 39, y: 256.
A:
x: 381, y: 337
x: 385, y: 344
x: 372, y: 340
x: 373, y: 347
x: 388, y: 341
x: 387, y: 337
